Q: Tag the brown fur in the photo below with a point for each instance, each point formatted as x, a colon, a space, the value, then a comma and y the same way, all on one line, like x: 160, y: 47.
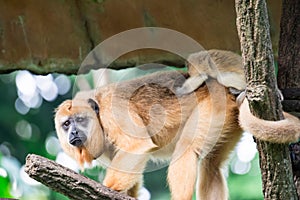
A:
x: 282, y: 131
x: 224, y: 66
x: 143, y: 119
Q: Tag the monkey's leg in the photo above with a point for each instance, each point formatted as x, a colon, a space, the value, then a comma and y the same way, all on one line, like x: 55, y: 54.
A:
x: 183, y: 167
x: 211, y: 184
x: 182, y: 176
x: 200, y: 134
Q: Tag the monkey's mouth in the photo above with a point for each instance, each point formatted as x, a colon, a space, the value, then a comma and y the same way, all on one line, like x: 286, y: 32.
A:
x: 77, y: 142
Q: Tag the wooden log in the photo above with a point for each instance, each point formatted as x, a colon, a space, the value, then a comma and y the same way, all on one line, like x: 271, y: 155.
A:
x: 68, y: 182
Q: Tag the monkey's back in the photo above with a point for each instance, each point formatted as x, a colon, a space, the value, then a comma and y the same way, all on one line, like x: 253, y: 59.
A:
x: 163, y: 113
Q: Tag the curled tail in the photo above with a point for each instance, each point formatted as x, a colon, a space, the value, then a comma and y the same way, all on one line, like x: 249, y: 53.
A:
x: 282, y: 131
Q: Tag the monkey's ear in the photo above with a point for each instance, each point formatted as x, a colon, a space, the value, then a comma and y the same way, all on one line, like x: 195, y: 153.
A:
x: 94, y: 105
x: 66, y: 105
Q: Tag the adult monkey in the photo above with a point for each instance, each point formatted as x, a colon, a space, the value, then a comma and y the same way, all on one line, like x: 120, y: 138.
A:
x: 125, y: 123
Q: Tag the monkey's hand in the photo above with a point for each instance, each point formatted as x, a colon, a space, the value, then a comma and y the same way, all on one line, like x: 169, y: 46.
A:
x: 282, y: 131
x: 121, y: 181
x: 191, y: 84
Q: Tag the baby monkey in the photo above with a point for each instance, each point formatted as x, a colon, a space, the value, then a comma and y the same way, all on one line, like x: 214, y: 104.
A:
x: 225, y: 66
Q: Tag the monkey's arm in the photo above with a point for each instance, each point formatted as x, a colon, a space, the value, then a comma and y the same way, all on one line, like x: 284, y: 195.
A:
x: 133, y: 143
x: 126, y: 169
x: 191, y: 84
x: 283, y: 131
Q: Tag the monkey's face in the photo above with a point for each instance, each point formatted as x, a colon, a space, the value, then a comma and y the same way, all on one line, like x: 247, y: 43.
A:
x: 78, y: 129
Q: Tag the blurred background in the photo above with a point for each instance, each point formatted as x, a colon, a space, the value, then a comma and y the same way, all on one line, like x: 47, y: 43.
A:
x: 27, y: 104
x: 55, y: 36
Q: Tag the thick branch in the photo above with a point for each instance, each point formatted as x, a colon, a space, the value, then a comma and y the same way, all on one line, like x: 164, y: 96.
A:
x: 68, y: 182
x: 291, y: 102
x: 289, y: 45
x: 289, y: 70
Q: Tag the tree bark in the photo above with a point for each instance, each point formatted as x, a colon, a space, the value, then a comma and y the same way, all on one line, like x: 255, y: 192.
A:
x: 253, y: 30
x: 289, y: 71
x: 289, y: 45
x: 68, y: 182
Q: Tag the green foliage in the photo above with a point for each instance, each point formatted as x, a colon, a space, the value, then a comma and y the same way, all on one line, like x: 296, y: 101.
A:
x: 4, y: 182
x: 5, y: 187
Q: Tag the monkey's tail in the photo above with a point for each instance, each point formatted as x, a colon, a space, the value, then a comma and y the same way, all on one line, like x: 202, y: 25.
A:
x: 283, y: 131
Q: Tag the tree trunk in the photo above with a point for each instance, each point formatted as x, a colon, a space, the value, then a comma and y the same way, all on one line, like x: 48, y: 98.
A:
x: 253, y: 30
x: 289, y: 45
x: 289, y: 71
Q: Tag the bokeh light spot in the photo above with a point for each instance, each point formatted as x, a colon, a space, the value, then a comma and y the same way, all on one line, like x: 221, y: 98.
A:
x: 63, y: 84
x: 52, y: 145
x: 21, y: 107
x: 26, y: 83
x: 24, y: 129
x: 3, y: 172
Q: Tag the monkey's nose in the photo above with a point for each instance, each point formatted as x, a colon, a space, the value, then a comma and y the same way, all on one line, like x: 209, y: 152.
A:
x: 75, y: 139
x: 74, y: 132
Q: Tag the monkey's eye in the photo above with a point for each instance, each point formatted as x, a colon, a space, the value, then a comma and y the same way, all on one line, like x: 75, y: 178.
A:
x: 79, y: 119
x: 66, y: 124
